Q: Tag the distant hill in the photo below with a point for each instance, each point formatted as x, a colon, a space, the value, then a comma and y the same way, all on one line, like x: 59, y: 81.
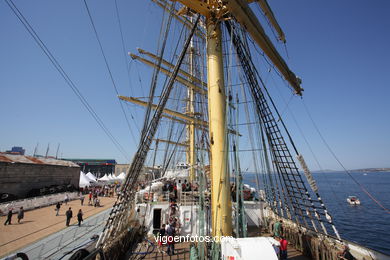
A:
x: 324, y: 170
x: 372, y: 170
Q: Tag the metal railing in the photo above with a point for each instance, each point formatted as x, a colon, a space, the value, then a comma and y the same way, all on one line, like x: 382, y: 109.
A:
x: 53, y: 247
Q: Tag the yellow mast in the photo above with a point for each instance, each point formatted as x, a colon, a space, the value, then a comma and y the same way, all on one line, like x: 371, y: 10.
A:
x: 220, y: 184
x: 221, y: 204
x: 191, y: 155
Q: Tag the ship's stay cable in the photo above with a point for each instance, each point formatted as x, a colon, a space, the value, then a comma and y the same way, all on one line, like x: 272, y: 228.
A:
x: 141, y: 85
x: 153, y: 84
x: 123, y: 45
x: 172, y: 123
x: 341, y: 164
x: 308, y: 144
x: 173, y: 152
x: 65, y: 76
x: 271, y: 66
x: 109, y: 70
x: 251, y: 139
x: 127, y: 63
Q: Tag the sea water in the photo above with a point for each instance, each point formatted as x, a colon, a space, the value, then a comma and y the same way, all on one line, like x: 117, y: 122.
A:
x: 367, y: 224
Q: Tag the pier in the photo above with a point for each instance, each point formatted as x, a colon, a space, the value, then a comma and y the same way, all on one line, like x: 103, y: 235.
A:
x: 43, y: 222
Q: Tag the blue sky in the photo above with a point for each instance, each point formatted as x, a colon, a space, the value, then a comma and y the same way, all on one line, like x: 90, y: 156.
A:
x: 339, y: 48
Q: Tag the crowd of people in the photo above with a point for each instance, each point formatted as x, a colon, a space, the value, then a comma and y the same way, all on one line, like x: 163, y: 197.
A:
x: 69, y: 212
x: 92, y: 193
x: 108, y: 190
x: 168, y: 231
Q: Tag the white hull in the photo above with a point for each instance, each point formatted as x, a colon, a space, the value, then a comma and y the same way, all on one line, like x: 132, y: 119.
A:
x: 353, y: 202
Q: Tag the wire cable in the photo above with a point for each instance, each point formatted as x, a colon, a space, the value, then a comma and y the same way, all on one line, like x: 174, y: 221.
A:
x: 341, y: 164
x: 64, y: 75
x: 109, y: 70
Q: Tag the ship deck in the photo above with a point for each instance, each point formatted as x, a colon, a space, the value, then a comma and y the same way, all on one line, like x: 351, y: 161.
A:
x: 182, y: 252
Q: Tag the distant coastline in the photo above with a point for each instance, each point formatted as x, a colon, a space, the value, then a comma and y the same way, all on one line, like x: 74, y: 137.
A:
x: 372, y: 170
x: 366, y: 170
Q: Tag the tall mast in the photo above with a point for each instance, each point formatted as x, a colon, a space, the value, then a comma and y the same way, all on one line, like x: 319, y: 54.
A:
x: 220, y: 185
x: 191, y: 156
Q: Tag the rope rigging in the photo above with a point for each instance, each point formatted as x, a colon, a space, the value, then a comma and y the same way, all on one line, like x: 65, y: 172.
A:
x: 122, y: 208
x: 109, y: 69
x: 153, y: 84
x: 376, y: 201
x: 66, y: 77
x: 302, y: 205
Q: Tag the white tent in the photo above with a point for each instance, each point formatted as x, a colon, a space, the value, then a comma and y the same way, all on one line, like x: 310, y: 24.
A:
x: 104, y: 178
x: 121, y: 176
x: 84, y: 180
x: 91, y: 176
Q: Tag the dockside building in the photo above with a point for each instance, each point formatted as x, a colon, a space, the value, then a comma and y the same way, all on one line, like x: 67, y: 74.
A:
x: 20, y: 174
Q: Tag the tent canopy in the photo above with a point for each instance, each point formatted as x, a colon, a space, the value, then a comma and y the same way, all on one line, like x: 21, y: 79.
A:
x: 104, y: 178
x: 91, y: 176
x: 84, y: 180
x: 121, y: 176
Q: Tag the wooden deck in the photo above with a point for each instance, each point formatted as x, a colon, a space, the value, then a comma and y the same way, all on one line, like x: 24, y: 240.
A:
x: 182, y: 252
x: 294, y: 254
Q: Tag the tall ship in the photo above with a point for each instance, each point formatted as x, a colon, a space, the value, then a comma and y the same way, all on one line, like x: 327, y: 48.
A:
x: 209, y: 117
x: 208, y: 112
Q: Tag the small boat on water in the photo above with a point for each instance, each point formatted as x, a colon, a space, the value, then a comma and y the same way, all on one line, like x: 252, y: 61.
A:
x: 353, y: 200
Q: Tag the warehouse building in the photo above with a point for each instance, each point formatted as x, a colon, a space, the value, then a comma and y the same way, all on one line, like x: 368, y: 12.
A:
x: 20, y: 175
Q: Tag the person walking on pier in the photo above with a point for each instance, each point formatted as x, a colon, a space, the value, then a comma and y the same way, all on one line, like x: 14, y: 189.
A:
x: 66, y: 199
x: 80, y: 217
x: 58, y: 206
x: 69, y: 215
x: 9, y: 218
x: 90, y: 198
x: 20, y: 214
x: 82, y: 199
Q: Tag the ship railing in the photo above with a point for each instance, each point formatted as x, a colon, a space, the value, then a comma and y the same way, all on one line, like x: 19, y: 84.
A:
x: 187, y: 198
x: 152, y: 197
x: 52, y: 246
x: 184, y: 198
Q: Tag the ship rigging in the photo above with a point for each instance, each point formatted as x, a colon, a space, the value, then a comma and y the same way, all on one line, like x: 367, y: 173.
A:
x: 210, y: 75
